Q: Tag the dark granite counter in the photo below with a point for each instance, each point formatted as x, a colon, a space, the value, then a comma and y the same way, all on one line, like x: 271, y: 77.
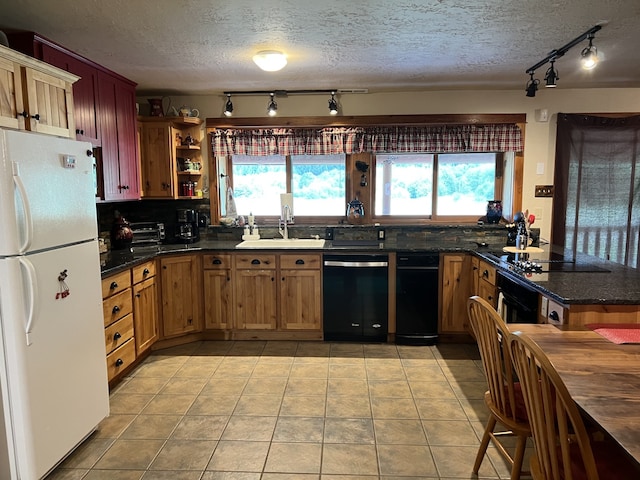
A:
x: 613, y: 284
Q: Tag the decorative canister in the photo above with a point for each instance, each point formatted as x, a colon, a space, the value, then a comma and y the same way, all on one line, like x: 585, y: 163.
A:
x: 156, y: 107
x: 355, y: 211
x: 494, y: 211
x: 121, y: 233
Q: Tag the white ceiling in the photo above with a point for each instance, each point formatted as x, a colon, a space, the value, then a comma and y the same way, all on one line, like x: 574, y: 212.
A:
x: 188, y: 47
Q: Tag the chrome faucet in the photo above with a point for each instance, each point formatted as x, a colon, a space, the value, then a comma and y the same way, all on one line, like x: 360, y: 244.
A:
x: 282, y: 225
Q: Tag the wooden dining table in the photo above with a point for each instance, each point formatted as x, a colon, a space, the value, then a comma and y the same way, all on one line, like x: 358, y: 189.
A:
x: 602, y: 377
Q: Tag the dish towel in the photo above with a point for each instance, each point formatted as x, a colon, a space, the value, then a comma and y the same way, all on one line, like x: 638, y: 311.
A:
x: 618, y: 333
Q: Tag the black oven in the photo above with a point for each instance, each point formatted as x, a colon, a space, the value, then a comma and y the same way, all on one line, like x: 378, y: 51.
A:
x: 519, y: 301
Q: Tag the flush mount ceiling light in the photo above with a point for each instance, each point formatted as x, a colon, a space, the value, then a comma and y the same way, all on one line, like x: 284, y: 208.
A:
x: 551, y: 76
x: 272, y: 108
x: 228, y: 109
x: 532, y: 86
x: 270, y: 60
x: 333, y: 105
x: 589, y: 55
x: 589, y: 58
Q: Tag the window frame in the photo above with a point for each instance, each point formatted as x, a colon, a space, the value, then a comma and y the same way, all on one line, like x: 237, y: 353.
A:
x: 510, y: 188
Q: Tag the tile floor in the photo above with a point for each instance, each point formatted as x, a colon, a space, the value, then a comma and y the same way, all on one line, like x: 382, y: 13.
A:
x: 293, y: 410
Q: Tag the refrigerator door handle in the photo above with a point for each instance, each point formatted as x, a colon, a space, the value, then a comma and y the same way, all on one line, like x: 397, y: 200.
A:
x: 27, y: 209
x: 31, y: 296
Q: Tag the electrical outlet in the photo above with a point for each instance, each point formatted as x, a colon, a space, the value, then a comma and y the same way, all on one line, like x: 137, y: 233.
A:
x: 328, y: 233
x: 544, y: 191
x: 381, y: 234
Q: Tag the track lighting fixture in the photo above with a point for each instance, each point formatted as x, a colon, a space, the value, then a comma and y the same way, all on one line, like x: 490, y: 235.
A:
x: 333, y: 105
x: 589, y: 55
x: 228, y: 109
x: 272, y: 108
x: 532, y: 86
x: 551, y: 76
x: 589, y: 58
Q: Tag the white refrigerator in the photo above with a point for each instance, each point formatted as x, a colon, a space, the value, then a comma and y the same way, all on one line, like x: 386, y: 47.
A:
x: 53, y: 374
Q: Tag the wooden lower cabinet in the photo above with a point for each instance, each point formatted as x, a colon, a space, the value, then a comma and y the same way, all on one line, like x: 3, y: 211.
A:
x: 218, y: 291
x: 145, y: 305
x: 455, y: 289
x: 484, y: 281
x: 181, y: 291
x: 300, y: 284
x: 255, y: 291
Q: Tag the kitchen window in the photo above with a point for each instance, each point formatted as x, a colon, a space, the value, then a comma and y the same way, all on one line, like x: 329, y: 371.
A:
x: 435, y: 185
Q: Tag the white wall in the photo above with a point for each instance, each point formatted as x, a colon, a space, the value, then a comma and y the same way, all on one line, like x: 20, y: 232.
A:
x: 539, y: 139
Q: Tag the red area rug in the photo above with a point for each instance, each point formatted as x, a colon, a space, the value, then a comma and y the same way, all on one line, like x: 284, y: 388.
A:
x: 618, y: 332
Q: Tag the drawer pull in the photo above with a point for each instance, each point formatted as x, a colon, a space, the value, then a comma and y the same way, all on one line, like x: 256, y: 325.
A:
x: 117, y: 336
x: 113, y: 285
x: 255, y: 261
x: 299, y: 262
x: 116, y: 309
x: 145, y: 271
x: 217, y: 261
x: 119, y: 362
x: 355, y: 324
x: 485, y: 274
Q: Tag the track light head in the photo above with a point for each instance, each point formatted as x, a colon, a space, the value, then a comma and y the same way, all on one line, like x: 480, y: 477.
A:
x: 532, y: 86
x: 272, y: 108
x: 228, y: 109
x: 333, y: 104
x: 589, y: 55
x: 551, y: 76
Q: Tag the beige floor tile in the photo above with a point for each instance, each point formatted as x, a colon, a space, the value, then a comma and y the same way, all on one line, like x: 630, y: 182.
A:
x: 426, y: 389
x: 425, y: 374
x: 303, y: 406
x: 299, y: 429
x: 306, y: 386
x: 265, y: 386
x: 346, y: 350
x: 239, y: 456
x: 349, y: 459
x: 406, y: 460
x: 405, y: 432
x: 213, y: 405
x: 213, y: 348
x: 347, y: 360
x: 294, y: 458
x: 185, y: 385
x: 469, y: 390
x: 145, y: 385
x: 290, y: 476
x: 310, y: 370
x: 463, y: 373
x: 113, y: 475
x: 383, y: 372
x: 224, y: 386
x: 440, y: 409
x: 270, y: 370
x: 281, y: 348
x: 169, y: 404
x: 231, y: 476
x: 184, y: 455
x: 393, y: 408
x: 348, y: 406
x: 258, y: 405
x: 249, y: 427
x: 113, y: 425
x: 415, y: 352
x: 347, y: 370
x: 349, y: 430
x: 88, y: 453
x: 172, y: 475
x: 313, y: 349
x: 389, y: 388
x: 450, y: 432
x: 158, y: 369
x: 380, y: 350
x: 151, y: 426
x: 348, y: 386
x: 230, y: 370
x: 196, y: 370
x: 130, y: 454
x: 200, y: 427
x: 457, y: 462
x: 352, y: 477
x: 122, y: 403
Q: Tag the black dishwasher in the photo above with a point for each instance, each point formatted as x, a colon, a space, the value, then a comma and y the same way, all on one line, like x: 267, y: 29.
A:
x: 355, y: 297
x: 417, y: 298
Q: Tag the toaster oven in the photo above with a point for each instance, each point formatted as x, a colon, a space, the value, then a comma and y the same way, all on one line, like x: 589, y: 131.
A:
x: 147, y: 234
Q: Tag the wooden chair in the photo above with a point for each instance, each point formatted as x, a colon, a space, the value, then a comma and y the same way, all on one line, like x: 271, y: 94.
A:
x: 562, y: 444
x: 503, y: 399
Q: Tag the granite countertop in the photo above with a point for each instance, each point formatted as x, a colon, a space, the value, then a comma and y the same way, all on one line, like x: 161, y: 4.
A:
x: 613, y: 285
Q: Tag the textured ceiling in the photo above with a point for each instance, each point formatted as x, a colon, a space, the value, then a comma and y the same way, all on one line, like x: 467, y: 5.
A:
x: 205, y: 46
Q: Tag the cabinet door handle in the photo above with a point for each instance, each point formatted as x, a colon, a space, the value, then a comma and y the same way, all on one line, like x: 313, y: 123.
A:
x: 217, y: 261
x: 299, y: 262
x: 113, y: 286
x: 116, y: 309
x: 117, y: 336
x: 145, y: 271
x: 554, y: 316
x: 255, y: 261
x: 164, y: 267
x: 119, y: 362
x: 23, y: 114
x: 485, y: 274
x: 137, y: 295
x: 36, y: 117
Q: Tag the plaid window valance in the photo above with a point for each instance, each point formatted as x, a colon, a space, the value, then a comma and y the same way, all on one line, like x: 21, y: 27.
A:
x: 397, y: 139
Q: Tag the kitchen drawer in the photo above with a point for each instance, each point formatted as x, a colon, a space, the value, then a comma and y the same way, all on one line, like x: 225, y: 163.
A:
x: 143, y: 271
x: 304, y: 261
x: 258, y: 261
x: 487, y: 272
x: 117, y: 306
x: 118, y: 333
x: 121, y: 358
x: 214, y: 261
x: 116, y: 283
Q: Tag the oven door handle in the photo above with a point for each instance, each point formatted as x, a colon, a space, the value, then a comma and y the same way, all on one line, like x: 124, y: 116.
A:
x: 342, y: 263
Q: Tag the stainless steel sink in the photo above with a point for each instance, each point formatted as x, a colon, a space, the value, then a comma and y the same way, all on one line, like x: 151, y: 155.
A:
x: 282, y: 243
